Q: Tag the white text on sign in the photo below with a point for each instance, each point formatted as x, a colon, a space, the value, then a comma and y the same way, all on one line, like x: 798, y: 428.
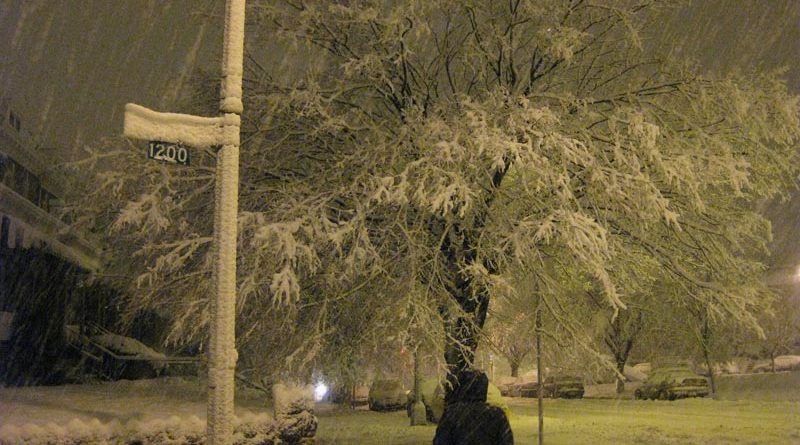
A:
x: 168, y: 152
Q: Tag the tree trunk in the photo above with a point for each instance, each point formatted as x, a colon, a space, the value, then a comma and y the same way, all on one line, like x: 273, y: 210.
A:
x: 459, y: 249
x: 514, y: 368
x: 706, y: 339
x: 462, y: 331
x: 772, y: 362
x: 417, y: 377
x: 620, y: 374
x: 620, y: 344
x: 711, y: 378
x: 417, y: 414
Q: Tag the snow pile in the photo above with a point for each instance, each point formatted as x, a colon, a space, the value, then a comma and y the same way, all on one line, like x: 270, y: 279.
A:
x: 128, y: 346
x: 292, y: 399
x: 634, y: 374
x: 253, y: 429
x: 530, y: 376
x: 74, y: 431
x: 145, y: 413
x: 787, y: 362
x: 294, y: 412
x: 645, y: 368
x: 157, y: 431
x: 163, y: 431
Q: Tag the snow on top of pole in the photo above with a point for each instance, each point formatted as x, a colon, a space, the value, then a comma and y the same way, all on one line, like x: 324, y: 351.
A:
x: 232, y: 55
x: 143, y: 123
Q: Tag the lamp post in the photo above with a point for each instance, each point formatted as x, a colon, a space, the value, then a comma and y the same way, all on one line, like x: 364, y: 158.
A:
x: 141, y: 123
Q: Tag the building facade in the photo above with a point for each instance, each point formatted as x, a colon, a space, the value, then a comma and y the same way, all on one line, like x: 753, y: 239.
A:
x: 43, y: 262
x: 29, y: 198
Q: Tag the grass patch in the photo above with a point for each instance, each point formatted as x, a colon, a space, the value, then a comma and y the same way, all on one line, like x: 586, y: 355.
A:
x: 685, y: 422
x: 596, y: 422
x: 344, y: 426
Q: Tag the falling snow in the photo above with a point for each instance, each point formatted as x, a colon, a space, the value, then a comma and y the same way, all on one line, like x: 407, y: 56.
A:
x: 338, y: 174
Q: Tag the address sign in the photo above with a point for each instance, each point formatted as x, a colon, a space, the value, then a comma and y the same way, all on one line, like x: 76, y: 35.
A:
x: 168, y: 152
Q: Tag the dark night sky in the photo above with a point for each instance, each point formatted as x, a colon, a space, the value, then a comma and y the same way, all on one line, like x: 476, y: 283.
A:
x: 70, y: 65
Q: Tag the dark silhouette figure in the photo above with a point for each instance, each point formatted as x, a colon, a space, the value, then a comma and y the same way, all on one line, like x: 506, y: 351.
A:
x: 468, y: 419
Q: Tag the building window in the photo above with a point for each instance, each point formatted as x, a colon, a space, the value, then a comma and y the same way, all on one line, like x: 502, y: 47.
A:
x: 7, y: 171
x: 5, y: 228
x: 20, y: 181
x: 33, y: 189
x: 51, y: 200
x: 44, y: 199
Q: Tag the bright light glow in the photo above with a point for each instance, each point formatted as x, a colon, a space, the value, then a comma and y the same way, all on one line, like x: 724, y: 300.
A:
x: 319, y: 391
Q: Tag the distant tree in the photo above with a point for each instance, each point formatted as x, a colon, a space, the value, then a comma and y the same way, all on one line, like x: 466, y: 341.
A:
x: 689, y: 326
x: 510, y: 333
x: 781, y: 323
x: 443, y: 142
x: 620, y: 333
x: 514, y: 346
x: 702, y: 326
x: 511, y: 321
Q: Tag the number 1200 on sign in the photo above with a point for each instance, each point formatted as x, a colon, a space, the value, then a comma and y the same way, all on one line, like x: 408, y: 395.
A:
x: 167, y: 152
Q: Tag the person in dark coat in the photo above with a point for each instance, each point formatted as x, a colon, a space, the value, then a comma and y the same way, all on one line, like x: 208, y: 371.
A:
x: 468, y: 419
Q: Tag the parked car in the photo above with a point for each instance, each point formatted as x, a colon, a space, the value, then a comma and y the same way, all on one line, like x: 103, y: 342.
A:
x: 557, y: 386
x: 564, y: 386
x: 525, y: 389
x: 505, y: 389
x: 504, y: 384
x: 387, y: 395
x: 349, y: 395
x: 673, y: 383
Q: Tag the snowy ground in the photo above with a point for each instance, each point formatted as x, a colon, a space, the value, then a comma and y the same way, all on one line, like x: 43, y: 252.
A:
x: 141, y: 404
x: 596, y: 422
x: 122, y: 400
x: 589, y: 421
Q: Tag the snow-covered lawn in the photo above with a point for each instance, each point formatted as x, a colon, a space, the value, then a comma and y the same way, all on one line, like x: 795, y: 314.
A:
x: 588, y: 421
x: 122, y: 401
x: 596, y: 422
x: 684, y: 422
x: 113, y: 408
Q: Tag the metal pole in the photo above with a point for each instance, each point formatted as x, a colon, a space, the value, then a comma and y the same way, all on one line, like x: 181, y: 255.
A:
x: 222, y: 348
x: 539, y: 387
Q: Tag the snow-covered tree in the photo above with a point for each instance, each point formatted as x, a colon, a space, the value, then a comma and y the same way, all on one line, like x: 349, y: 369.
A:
x: 511, y: 335
x: 781, y: 323
x: 620, y: 333
x: 436, y: 144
